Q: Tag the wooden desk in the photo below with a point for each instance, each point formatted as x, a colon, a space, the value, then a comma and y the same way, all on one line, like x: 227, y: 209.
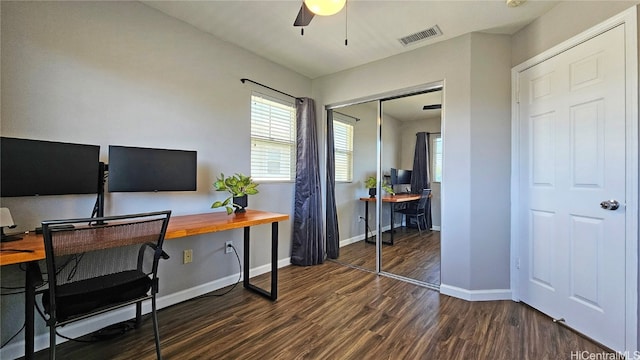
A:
x: 391, y: 199
x: 30, y: 250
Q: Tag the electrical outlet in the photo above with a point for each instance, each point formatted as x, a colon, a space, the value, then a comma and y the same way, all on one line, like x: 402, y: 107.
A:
x: 187, y: 256
x: 228, y: 247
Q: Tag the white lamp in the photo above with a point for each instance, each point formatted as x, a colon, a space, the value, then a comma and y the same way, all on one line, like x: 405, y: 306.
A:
x: 7, y: 221
x: 325, y: 7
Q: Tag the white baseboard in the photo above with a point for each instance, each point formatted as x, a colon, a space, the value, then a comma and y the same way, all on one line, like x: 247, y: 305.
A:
x: 435, y: 228
x: 351, y: 240
x: 73, y: 330
x: 476, y: 295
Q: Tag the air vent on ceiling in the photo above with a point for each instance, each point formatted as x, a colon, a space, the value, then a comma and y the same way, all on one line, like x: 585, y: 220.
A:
x: 421, y: 35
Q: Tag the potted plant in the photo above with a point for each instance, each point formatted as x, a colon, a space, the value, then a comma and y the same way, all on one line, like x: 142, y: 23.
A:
x: 239, y: 186
x: 371, y: 183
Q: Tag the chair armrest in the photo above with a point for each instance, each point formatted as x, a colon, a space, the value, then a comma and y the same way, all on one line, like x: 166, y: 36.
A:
x: 159, y: 254
x: 164, y: 255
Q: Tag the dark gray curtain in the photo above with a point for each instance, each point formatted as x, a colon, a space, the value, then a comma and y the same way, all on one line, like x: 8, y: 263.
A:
x: 420, y: 178
x: 333, y: 236
x: 308, y: 241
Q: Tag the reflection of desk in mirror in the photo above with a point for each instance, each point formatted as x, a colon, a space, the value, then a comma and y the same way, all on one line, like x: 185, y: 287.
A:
x: 391, y: 199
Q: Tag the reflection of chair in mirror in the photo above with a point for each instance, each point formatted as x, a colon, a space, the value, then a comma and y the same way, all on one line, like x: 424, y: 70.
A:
x: 419, y: 211
x: 95, y: 269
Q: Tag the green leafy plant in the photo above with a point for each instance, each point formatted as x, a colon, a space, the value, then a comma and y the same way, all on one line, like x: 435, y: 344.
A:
x: 237, y: 185
x: 372, y: 182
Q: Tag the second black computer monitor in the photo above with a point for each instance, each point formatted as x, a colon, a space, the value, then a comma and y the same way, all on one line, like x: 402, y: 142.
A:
x: 400, y: 177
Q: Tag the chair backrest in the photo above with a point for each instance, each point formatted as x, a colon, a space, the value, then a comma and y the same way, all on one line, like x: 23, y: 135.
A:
x: 424, y: 199
x: 117, y: 251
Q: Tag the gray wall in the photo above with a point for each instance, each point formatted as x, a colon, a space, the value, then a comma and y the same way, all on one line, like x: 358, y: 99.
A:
x: 490, y: 142
x: 123, y: 73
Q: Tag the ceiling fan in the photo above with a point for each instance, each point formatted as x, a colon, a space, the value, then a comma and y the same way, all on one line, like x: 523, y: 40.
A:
x: 310, y: 8
x: 304, y: 16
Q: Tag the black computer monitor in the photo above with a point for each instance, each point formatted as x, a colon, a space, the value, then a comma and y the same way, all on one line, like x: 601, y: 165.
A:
x: 36, y: 167
x: 400, y: 177
x: 136, y: 169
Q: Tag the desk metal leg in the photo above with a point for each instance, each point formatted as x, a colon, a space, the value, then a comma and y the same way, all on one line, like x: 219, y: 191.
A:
x: 274, y: 261
x: 33, y: 278
x: 392, y: 213
x: 366, y: 223
x: 273, y: 295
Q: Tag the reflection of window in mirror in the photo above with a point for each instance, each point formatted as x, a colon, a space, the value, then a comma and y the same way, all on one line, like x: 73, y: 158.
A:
x: 343, y: 143
x: 436, y: 162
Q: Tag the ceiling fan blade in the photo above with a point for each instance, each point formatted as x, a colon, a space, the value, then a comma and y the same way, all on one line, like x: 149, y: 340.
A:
x: 304, y: 16
x: 432, y: 107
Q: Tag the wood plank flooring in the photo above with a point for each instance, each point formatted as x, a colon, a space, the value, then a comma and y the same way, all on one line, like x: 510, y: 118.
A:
x: 413, y: 255
x: 331, y: 311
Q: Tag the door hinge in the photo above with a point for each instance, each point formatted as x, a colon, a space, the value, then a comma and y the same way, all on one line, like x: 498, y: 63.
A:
x: 518, y: 263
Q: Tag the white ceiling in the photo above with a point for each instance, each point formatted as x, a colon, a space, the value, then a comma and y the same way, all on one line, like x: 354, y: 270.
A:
x: 409, y: 108
x: 373, y: 27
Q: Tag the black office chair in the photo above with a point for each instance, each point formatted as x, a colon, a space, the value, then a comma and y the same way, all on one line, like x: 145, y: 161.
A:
x: 418, y: 211
x: 93, y: 269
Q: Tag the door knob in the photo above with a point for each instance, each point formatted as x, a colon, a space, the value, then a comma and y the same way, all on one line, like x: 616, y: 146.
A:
x: 610, y: 204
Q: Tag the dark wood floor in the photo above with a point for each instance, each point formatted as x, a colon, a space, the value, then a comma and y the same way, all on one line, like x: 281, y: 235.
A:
x: 413, y: 255
x: 331, y: 311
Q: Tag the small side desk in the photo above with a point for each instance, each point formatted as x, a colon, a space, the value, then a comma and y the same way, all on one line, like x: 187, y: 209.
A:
x: 32, y: 247
x: 391, y: 199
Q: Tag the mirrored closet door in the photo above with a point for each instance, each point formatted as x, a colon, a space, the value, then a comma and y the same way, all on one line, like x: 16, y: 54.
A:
x: 355, y: 144
x: 411, y: 238
x: 381, y: 134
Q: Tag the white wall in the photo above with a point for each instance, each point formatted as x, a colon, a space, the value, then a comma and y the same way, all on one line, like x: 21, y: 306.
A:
x: 452, y: 62
x: 123, y: 73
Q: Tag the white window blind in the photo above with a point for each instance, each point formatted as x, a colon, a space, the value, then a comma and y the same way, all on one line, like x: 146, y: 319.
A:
x: 343, y: 144
x: 436, y: 156
x: 273, y: 144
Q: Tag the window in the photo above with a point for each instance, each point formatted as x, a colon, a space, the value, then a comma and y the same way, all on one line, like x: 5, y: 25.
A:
x: 343, y: 144
x: 273, y: 144
x: 436, y: 162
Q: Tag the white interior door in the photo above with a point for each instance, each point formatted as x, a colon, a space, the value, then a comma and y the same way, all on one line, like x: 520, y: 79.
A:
x: 572, y: 158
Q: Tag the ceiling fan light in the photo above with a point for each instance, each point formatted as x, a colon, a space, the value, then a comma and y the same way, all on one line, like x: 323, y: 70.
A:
x: 515, y: 3
x: 325, y: 7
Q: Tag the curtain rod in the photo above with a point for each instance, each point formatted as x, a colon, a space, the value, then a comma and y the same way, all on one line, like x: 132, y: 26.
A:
x: 349, y: 116
x: 270, y: 88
